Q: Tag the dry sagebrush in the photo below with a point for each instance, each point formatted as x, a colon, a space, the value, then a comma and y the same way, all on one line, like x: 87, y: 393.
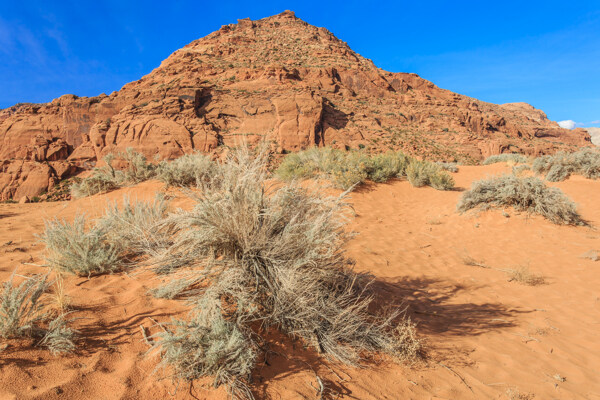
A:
x: 250, y: 255
x: 189, y: 170
x: 26, y: 312
x: 106, y: 178
x: 72, y: 248
x: 558, y: 167
x: 524, y: 194
x: 506, y: 157
x: 111, y: 242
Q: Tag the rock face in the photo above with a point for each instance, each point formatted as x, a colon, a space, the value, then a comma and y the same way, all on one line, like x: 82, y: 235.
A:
x: 279, y: 79
x: 595, y: 134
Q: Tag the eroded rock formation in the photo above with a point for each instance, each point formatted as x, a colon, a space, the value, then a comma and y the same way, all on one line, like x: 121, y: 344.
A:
x: 279, y: 79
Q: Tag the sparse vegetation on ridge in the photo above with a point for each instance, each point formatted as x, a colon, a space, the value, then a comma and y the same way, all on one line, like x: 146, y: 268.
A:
x: 524, y: 194
x: 348, y: 169
x: 186, y: 171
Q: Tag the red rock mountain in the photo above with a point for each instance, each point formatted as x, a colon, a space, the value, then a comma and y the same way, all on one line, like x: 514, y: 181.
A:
x: 277, y: 78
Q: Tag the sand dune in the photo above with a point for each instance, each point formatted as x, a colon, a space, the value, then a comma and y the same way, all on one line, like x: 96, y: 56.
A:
x: 486, y: 336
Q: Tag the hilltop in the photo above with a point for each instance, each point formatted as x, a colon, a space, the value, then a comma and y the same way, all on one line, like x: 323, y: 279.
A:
x: 278, y: 78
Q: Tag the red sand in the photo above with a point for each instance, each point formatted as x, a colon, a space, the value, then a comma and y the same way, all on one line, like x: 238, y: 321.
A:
x: 486, y: 337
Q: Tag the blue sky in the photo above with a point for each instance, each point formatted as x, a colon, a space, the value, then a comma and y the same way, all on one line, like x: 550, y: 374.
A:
x: 546, y: 53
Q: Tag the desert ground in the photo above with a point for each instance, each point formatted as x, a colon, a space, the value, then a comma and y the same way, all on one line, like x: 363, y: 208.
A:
x: 486, y: 336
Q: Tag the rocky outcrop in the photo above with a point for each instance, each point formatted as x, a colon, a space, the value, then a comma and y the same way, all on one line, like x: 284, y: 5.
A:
x: 278, y: 79
x: 595, y: 134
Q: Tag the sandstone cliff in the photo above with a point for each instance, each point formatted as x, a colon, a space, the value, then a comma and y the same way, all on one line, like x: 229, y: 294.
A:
x: 278, y: 78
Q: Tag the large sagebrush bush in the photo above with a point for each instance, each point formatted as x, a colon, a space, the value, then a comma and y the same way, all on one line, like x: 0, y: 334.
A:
x: 506, y: 157
x: 528, y: 194
x: 251, y: 254
x: 560, y: 166
x: 189, y: 170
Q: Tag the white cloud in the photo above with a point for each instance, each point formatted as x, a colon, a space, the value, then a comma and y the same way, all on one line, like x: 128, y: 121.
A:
x: 567, y: 124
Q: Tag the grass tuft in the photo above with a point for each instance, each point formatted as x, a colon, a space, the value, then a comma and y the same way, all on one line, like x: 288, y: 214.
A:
x: 524, y: 276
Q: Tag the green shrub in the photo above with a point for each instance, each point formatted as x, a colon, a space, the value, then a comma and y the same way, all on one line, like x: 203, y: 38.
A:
x: 107, y: 178
x: 524, y: 194
x: 351, y: 168
x: 423, y: 173
x: 76, y: 251
x: 388, y: 165
x: 560, y: 166
x: 188, y: 170
x: 354, y: 169
x: 516, y: 158
x: 309, y: 163
x: 59, y: 337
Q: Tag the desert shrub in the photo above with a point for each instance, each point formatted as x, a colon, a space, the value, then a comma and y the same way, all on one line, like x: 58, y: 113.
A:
x: 524, y: 194
x: 133, y: 227
x: 102, y: 179
x: 138, y: 169
x: 309, y: 163
x: 424, y: 173
x: 188, y: 170
x: 75, y: 250
x: 24, y: 313
x: 388, y: 165
x: 448, y: 166
x: 349, y: 169
x: 59, y: 337
x: 560, y: 166
x: 514, y: 158
x: 441, y: 181
x: 106, y: 178
x: 270, y: 256
x: 354, y: 169
x: 21, y: 308
x: 216, y: 348
x: 518, y: 170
